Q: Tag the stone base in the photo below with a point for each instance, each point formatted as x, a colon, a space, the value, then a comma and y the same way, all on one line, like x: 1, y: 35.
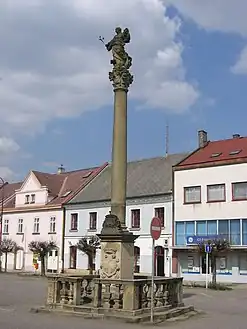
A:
x: 120, y: 315
x: 117, y: 250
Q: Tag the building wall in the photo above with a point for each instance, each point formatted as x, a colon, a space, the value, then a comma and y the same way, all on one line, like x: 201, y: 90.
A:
x: 144, y: 241
x: 28, y: 234
x: 207, y: 218
x: 207, y: 176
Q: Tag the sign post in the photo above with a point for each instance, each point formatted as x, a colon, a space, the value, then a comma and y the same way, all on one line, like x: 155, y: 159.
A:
x: 155, y: 230
x: 207, y: 250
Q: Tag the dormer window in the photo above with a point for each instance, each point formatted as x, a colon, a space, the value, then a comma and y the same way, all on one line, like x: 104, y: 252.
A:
x: 32, y: 198
x: 27, y: 199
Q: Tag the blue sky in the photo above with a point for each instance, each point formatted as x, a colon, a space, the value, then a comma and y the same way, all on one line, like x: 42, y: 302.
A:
x: 53, y: 115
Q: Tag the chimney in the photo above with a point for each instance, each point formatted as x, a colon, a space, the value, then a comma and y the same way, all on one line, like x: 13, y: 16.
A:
x: 235, y: 136
x: 60, y: 169
x: 202, y: 138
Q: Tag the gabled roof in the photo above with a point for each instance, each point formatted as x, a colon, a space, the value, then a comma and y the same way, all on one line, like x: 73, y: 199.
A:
x: 217, y: 152
x: 8, y: 190
x: 148, y: 177
x: 62, y: 187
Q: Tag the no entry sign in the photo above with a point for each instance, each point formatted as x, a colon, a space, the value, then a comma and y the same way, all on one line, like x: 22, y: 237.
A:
x: 155, y: 228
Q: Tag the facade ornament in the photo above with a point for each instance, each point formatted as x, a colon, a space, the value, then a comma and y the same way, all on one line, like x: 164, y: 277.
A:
x: 110, y: 264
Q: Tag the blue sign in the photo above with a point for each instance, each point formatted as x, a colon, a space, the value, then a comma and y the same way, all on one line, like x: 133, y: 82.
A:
x: 208, y: 248
x: 197, y: 239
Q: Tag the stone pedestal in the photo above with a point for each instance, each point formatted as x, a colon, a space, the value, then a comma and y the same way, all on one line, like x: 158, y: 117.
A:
x: 117, y: 250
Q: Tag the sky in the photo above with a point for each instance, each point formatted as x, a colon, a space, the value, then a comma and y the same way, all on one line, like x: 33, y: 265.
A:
x: 56, y: 102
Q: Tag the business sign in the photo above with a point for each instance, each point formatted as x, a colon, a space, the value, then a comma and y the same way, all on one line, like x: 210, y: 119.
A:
x: 197, y: 239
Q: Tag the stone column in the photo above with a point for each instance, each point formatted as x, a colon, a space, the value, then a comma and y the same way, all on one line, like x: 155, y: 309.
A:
x: 117, y: 243
x: 121, y: 79
x: 119, y: 156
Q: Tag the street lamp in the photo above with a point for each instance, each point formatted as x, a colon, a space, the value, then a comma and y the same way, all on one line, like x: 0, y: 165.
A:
x: 1, y: 216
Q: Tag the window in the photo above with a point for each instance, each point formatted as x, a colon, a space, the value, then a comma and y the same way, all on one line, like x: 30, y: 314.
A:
x: 72, y: 257
x: 160, y: 213
x: 235, y: 152
x: 135, y: 218
x: 32, y: 198
x: 36, y: 225
x: 184, y: 229
x: 53, y: 225
x: 27, y: 198
x: 239, y: 191
x: 6, y: 226
x: 212, y: 227
x: 93, y: 220
x: 201, y: 228
x: 216, y: 193
x: 74, y: 222
x: 235, y: 232
x: 189, y: 228
x: 192, y: 194
x: 137, y: 259
x: 244, y: 232
x: 215, y: 155
x: 180, y: 234
x: 223, y: 229
x: 20, y: 225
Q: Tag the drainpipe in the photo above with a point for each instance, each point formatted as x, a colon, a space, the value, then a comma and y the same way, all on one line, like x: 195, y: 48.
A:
x: 3, y: 183
x: 173, y: 220
x: 63, y: 238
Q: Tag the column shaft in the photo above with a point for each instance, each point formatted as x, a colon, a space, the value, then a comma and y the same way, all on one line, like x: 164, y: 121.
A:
x: 119, y: 156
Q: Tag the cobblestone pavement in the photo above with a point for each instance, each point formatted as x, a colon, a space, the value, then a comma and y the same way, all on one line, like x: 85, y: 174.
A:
x: 226, y: 309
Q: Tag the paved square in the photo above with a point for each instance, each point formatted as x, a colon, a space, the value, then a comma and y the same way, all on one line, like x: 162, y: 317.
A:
x: 225, y: 309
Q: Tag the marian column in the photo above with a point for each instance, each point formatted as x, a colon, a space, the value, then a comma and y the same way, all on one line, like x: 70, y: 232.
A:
x: 121, y: 80
x: 117, y: 243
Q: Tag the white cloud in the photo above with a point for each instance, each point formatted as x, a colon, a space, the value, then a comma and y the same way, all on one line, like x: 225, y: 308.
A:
x: 228, y: 16
x: 6, y: 174
x: 219, y: 15
x: 241, y: 65
x: 53, y: 65
x: 8, y: 149
x: 8, y: 145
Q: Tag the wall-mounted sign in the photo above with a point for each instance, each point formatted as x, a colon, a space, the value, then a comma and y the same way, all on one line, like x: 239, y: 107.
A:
x: 197, y: 239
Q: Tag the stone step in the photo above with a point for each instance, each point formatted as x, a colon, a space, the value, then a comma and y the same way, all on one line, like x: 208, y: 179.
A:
x: 145, y: 318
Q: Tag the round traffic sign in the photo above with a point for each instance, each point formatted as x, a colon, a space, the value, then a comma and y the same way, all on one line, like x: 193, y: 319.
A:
x: 155, y: 228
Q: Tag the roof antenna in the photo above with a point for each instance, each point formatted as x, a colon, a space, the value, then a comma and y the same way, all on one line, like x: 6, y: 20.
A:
x: 167, y: 139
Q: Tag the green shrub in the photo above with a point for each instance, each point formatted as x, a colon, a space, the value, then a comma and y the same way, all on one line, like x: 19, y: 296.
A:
x: 218, y: 286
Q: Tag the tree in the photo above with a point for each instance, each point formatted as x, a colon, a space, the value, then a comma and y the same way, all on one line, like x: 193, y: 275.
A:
x: 217, y: 247
x: 8, y: 246
x: 42, y: 248
x: 89, y: 247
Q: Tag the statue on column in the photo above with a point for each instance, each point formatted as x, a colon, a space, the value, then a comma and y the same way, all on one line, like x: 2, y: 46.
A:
x: 120, y: 75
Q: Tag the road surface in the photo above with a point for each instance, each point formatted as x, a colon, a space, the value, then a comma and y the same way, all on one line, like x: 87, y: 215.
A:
x: 225, y: 309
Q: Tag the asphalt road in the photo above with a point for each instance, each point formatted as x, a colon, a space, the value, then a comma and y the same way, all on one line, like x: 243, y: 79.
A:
x: 226, y: 309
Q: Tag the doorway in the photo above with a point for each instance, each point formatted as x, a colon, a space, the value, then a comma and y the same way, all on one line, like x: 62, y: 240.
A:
x: 19, y: 256
x: 52, y: 261
x: 159, y: 261
x: 72, y: 257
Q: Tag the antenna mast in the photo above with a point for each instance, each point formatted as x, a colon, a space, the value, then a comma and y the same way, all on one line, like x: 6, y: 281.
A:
x: 167, y: 139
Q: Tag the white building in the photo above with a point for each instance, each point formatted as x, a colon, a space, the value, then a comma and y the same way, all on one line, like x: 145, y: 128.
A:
x: 210, y: 199
x: 149, y: 184
x: 33, y: 211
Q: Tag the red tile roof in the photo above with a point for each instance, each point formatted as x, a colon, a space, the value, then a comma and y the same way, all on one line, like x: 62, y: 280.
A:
x: 8, y: 191
x: 62, y: 187
x: 218, y: 151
